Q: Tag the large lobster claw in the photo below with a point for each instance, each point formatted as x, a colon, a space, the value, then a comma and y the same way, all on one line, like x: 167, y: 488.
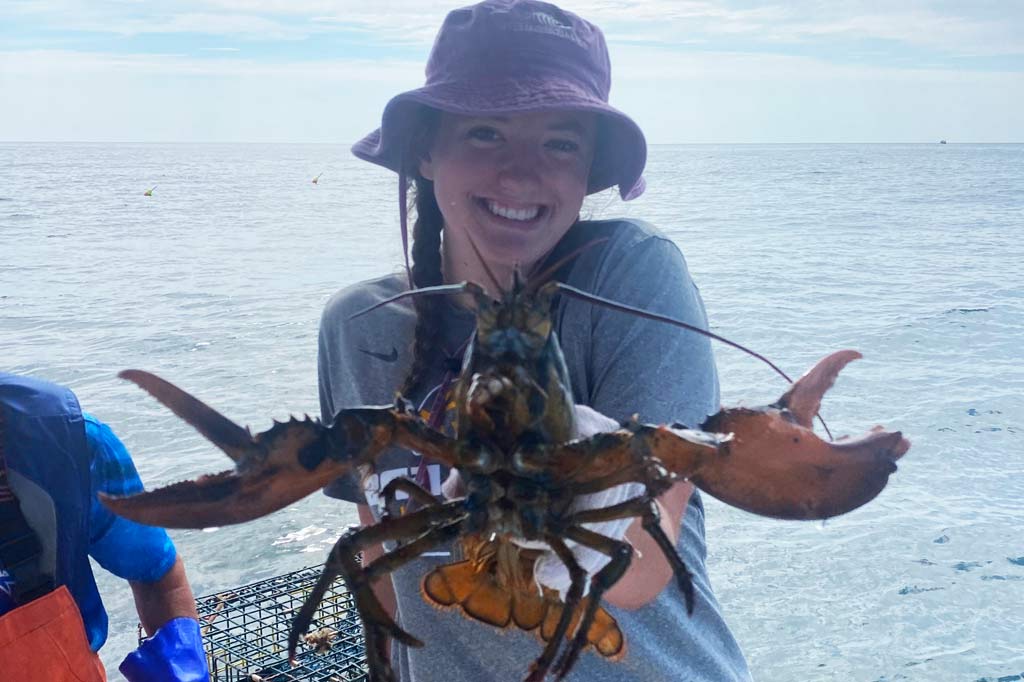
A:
x: 775, y: 465
x: 272, y: 469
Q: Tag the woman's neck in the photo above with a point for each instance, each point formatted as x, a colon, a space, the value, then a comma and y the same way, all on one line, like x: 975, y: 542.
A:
x: 462, y: 264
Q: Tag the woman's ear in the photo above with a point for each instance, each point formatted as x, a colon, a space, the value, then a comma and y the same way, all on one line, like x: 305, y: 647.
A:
x: 426, y: 167
x: 422, y: 142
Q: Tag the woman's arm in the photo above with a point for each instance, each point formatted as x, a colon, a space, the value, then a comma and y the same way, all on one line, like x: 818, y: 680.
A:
x: 164, y: 599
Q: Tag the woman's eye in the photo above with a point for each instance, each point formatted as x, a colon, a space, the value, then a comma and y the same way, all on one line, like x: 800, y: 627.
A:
x: 567, y: 146
x: 483, y: 134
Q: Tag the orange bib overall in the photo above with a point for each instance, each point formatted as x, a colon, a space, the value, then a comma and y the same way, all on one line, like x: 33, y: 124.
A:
x: 44, y: 641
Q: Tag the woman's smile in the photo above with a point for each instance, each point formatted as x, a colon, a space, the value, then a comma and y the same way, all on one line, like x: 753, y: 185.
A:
x: 519, y: 216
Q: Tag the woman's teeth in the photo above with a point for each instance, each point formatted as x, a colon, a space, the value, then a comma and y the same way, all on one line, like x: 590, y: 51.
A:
x: 513, y: 213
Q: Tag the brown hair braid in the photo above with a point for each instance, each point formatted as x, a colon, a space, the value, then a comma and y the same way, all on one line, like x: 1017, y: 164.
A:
x: 426, y: 272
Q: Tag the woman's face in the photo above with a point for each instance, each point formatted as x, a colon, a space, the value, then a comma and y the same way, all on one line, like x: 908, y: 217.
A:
x: 514, y: 184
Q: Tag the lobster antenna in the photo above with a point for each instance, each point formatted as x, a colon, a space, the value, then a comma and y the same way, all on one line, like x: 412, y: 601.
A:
x: 494, y: 280
x: 598, y: 300
x: 547, y: 273
x: 460, y: 288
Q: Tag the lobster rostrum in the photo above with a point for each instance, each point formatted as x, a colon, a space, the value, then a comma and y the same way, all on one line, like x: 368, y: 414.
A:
x: 521, y: 468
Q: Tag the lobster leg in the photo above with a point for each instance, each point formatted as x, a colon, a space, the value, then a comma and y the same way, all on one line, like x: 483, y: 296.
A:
x: 645, y: 508
x: 539, y: 668
x: 389, y: 562
x: 621, y: 554
x: 273, y: 468
x: 430, y: 526
x: 416, y: 494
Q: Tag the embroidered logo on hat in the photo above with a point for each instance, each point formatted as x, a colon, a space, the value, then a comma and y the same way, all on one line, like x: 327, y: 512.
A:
x: 549, y: 19
x: 543, y: 18
x: 542, y: 22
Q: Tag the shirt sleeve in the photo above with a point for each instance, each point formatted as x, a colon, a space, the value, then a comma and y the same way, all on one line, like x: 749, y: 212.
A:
x: 663, y: 373
x: 127, y: 549
x: 336, y: 379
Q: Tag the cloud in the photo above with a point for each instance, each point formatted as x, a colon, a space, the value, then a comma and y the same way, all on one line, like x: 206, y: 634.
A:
x: 188, y: 98
x: 706, y: 70
x: 922, y: 27
x: 742, y: 97
x: 388, y: 23
x: 701, y: 97
x: 655, y: 64
x: 944, y: 26
x: 952, y: 28
x: 53, y: 62
x: 210, y: 24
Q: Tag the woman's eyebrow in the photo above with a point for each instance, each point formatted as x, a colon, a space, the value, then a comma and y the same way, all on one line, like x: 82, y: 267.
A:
x: 487, y: 119
x: 568, y: 126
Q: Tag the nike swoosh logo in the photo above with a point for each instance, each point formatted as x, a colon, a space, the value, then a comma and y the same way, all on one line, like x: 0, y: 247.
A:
x: 386, y: 357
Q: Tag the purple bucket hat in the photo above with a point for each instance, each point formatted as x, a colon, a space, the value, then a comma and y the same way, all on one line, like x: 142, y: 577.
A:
x: 517, y: 56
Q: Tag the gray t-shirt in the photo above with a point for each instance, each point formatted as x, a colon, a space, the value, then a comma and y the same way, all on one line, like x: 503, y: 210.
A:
x: 620, y: 365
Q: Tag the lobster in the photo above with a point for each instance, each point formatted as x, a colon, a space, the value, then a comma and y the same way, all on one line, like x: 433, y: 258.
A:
x: 521, y: 468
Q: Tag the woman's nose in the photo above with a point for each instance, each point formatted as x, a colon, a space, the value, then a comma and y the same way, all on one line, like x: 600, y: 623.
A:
x: 520, y: 171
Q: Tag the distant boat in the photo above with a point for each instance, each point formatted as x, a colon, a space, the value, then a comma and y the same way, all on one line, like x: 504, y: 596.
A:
x: 317, y: 178
x: 149, y: 192
x: 942, y: 142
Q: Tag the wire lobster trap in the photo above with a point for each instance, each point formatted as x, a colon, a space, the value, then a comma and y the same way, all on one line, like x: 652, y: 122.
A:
x: 245, y: 632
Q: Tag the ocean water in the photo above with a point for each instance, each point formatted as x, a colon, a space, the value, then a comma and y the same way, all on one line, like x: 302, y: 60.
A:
x: 912, y: 254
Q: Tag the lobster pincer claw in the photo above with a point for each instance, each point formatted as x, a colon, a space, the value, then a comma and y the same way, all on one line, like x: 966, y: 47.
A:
x: 775, y: 465
x: 272, y: 469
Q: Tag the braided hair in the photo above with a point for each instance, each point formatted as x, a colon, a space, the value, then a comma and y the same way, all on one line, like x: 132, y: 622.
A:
x: 426, y: 272
x: 426, y: 267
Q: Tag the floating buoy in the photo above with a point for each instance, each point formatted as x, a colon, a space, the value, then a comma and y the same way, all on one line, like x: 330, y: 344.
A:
x: 317, y: 178
x: 149, y: 192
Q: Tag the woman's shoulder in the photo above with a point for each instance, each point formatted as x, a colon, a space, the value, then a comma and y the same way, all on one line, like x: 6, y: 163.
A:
x: 338, y: 329
x: 623, y: 233
x: 359, y: 296
x: 633, y: 250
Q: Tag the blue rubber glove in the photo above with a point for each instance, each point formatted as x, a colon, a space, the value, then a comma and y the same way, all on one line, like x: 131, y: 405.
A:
x: 174, y: 654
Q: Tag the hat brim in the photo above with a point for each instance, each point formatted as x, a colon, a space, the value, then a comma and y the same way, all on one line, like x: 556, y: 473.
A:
x: 619, y: 158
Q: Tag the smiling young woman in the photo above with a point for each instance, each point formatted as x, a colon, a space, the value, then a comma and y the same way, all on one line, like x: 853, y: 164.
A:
x: 510, y: 133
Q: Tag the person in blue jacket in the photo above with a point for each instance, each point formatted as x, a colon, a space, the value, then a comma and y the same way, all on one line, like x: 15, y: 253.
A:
x: 54, y: 459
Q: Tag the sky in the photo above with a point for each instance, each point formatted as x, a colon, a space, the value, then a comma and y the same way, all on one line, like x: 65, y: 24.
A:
x: 688, y: 71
